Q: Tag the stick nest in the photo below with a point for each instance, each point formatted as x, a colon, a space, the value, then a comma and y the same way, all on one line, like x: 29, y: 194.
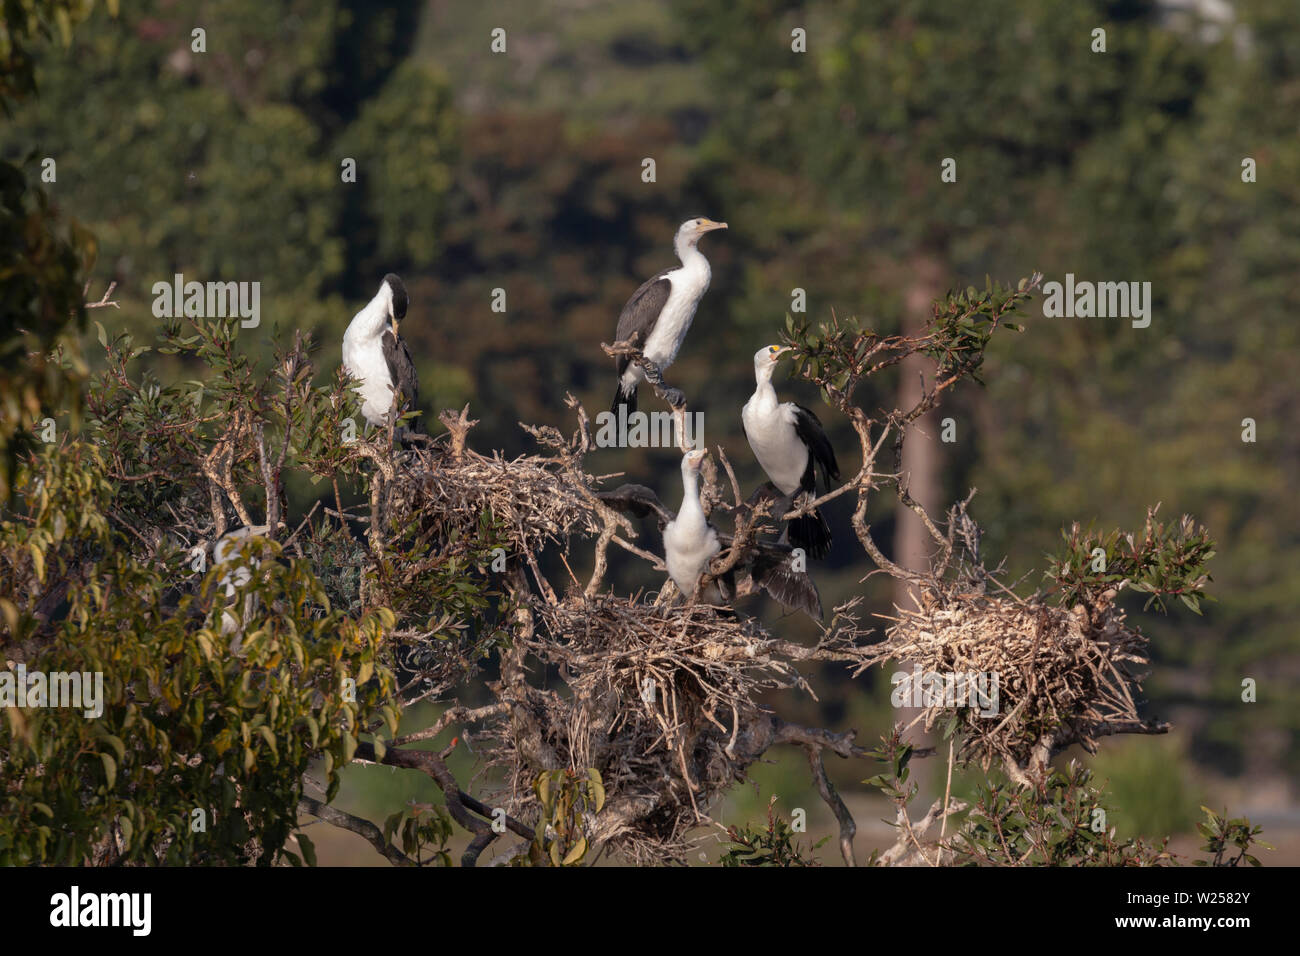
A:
x: 662, y: 704
x: 530, y: 498
x: 1063, y: 675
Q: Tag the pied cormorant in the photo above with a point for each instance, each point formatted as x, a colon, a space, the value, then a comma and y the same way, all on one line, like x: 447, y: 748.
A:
x: 374, y: 354
x: 789, y: 443
x: 659, y: 313
x: 690, y: 543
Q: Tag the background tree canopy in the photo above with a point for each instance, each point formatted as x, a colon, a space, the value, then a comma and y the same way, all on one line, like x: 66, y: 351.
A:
x: 521, y: 171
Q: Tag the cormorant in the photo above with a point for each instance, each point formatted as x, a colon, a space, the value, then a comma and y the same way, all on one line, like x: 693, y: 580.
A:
x: 659, y: 313
x: 789, y: 443
x: 690, y: 543
x: 374, y: 353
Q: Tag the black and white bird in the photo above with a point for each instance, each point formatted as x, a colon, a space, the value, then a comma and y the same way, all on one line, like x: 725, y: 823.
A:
x: 790, y: 444
x: 691, y: 542
x: 375, y: 355
x: 659, y: 313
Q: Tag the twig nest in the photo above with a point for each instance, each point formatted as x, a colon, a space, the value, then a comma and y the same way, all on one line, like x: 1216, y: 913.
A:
x: 1013, y: 674
x: 662, y: 703
x: 528, y: 498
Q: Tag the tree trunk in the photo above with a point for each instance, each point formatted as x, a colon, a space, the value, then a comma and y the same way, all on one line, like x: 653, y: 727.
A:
x: 921, y: 456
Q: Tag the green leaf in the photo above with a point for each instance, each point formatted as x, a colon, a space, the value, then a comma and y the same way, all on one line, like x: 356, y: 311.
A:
x: 64, y: 23
x: 116, y: 743
x: 576, y: 853
x: 110, y: 769
x: 269, y: 737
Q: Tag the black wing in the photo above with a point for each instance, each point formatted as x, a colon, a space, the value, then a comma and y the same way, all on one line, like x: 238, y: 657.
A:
x: 770, y: 565
x: 638, y: 501
x: 401, y: 368
x: 820, y: 452
x: 641, y: 313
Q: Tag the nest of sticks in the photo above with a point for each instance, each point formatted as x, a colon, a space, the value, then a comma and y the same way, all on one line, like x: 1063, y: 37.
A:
x: 1062, y: 676
x: 661, y: 701
x: 530, y: 497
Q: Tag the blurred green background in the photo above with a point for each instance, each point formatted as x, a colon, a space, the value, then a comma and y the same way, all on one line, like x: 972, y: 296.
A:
x: 522, y: 171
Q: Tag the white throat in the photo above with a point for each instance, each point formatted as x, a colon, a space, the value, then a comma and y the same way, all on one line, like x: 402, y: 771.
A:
x: 764, y: 393
x: 690, y: 508
x: 687, y: 248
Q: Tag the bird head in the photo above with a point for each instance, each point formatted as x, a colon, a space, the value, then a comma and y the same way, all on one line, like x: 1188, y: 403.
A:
x: 688, y: 234
x: 765, y: 360
x: 397, y: 300
x: 693, y: 461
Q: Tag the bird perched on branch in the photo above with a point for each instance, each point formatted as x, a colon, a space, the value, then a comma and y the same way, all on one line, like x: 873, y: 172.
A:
x: 374, y: 353
x: 659, y: 313
x: 790, y: 443
x: 691, y: 542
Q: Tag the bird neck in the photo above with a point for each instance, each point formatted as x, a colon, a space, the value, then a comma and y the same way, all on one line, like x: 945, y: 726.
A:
x: 764, y: 393
x: 371, y: 321
x: 690, y: 509
x: 689, y: 253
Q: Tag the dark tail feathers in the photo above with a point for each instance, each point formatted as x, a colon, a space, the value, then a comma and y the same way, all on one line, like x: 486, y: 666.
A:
x: 811, y: 533
x: 622, y: 399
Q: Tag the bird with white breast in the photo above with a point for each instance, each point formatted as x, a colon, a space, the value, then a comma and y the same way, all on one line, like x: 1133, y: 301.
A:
x: 375, y: 354
x: 790, y: 443
x: 659, y: 314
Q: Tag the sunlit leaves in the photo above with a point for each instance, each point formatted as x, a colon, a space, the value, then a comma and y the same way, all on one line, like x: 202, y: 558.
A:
x: 423, y: 830
x: 1223, y: 836
x: 567, y: 801
x: 839, y: 354
x: 773, y: 845
x: 199, y: 716
x: 1164, y: 560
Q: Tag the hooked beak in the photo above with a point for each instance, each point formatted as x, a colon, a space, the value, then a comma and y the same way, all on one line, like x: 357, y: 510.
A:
x: 392, y: 321
x: 709, y: 225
